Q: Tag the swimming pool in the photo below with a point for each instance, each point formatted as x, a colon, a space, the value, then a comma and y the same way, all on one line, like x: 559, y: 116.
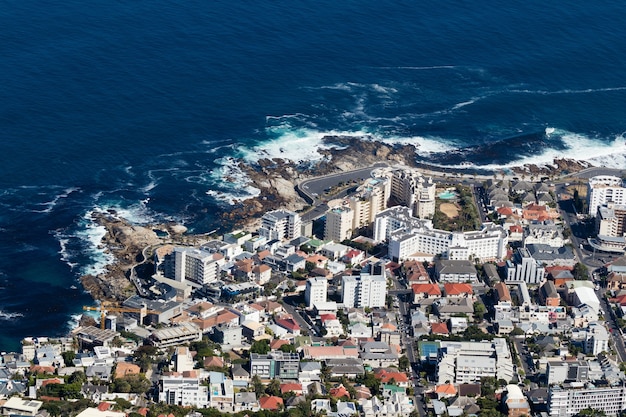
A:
x: 447, y: 195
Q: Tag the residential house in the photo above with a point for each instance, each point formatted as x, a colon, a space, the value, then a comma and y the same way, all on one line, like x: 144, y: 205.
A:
x: 455, y: 271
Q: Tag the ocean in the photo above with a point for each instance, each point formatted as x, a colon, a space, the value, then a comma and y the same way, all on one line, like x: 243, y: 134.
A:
x: 142, y: 106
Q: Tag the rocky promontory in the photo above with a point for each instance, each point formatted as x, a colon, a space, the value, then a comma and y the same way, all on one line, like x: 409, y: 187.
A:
x: 126, y: 243
x: 276, y: 177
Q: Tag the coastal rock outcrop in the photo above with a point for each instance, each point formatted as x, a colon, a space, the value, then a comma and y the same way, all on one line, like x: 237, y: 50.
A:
x: 275, y: 178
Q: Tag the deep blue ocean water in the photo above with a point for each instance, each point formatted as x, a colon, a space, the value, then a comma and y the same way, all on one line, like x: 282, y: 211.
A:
x: 141, y: 106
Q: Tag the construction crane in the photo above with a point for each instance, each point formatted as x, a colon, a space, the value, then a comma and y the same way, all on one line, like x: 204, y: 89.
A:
x: 106, y: 308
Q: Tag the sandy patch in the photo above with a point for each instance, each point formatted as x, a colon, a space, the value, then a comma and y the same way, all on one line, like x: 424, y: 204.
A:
x: 449, y: 209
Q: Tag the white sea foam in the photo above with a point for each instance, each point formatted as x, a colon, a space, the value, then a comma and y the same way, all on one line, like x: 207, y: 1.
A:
x: 91, y: 235
x: 232, y: 183
x: 596, y: 151
x: 4, y: 315
x: 50, y: 205
x: 424, y: 68
x: 567, y: 91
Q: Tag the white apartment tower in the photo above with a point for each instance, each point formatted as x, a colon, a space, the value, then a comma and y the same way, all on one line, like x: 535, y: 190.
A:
x: 525, y: 268
x: 366, y: 290
x: 315, y: 292
x: 338, y: 225
x: 196, y: 265
x: 569, y: 399
x: 280, y: 225
x: 605, y: 189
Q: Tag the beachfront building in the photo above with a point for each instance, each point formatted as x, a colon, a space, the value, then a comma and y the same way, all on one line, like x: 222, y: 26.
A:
x: 605, y: 189
x: 569, y: 399
x: 366, y: 290
x: 369, y: 200
x: 196, y: 265
x: 412, y: 238
x: 338, y: 226
x: 280, y: 225
x: 408, y: 187
x: 315, y: 291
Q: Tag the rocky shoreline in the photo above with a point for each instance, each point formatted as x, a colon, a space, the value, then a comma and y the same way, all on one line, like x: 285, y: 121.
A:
x: 276, y: 179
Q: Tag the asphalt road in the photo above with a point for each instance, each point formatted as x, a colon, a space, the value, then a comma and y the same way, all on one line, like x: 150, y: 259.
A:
x: 409, y: 344
x: 592, y: 260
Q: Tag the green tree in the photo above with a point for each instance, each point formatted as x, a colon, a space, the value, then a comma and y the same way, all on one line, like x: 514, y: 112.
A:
x: 262, y: 347
x: 273, y: 388
x: 581, y: 273
x: 77, y: 377
x: 257, y: 385
x: 479, y: 310
x: 287, y: 348
x: 68, y: 357
x: 590, y: 412
x: 403, y: 363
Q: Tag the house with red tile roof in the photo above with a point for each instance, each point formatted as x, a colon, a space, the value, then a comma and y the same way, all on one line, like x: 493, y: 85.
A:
x: 422, y: 291
x: 415, y: 272
x: 339, y: 391
x: 457, y: 289
x: 353, y: 257
x: 277, y: 343
x: 123, y: 369
x: 445, y: 391
x: 294, y: 387
x: 387, y: 376
x: 318, y: 260
x: 288, y: 323
x: 321, y: 353
x: 271, y: 403
x: 439, y: 328
x: 223, y: 317
x: 502, y: 292
x: 213, y: 361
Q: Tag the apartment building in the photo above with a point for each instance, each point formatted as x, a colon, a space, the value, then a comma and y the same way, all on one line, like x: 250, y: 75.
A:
x: 196, y: 265
x: 315, y: 291
x: 524, y: 268
x: 280, y: 225
x: 338, y: 226
x: 410, y: 238
x: 569, y: 399
x: 183, y: 389
x: 275, y: 364
x: 366, y: 290
x: 605, y: 189
x: 466, y: 362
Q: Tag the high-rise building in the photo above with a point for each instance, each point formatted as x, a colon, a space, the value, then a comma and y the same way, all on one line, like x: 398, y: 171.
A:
x: 366, y: 290
x: 338, y: 225
x: 280, y: 225
x: 524, y: 268
x: 605, y: 189
x: 369, y: 200
x: 611, y: 220
x: 315, y: 291
x: 196, y: 265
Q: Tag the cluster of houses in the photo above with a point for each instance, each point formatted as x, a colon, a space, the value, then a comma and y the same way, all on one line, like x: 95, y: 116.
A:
x: 342, y: 328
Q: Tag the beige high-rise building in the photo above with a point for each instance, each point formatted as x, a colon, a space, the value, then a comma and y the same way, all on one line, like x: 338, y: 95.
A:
x: 338, y: 225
